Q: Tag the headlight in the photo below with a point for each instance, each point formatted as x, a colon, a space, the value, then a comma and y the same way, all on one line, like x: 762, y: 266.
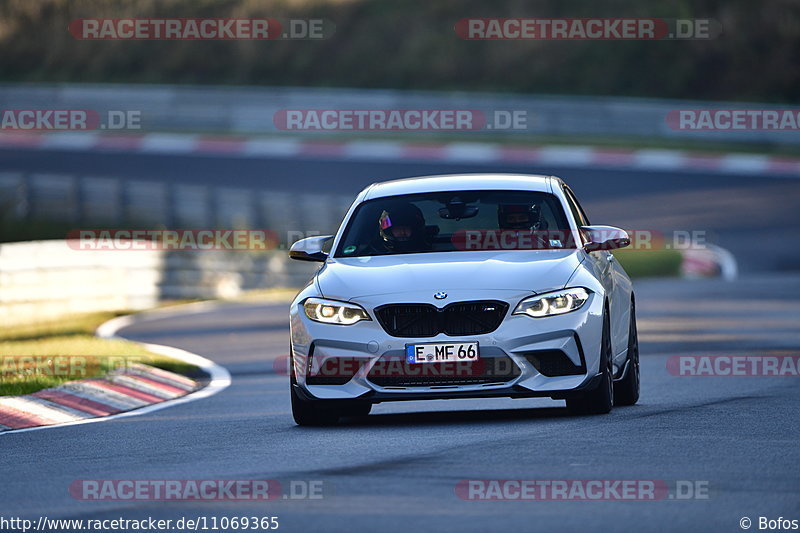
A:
x: 333, y: 312
x: 553, y: 303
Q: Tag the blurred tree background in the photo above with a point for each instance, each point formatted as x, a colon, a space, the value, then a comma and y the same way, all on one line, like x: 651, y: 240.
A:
x: 411, y: 44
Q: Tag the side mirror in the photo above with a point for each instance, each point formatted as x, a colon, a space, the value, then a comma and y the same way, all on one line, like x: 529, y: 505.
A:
x: 310, y: 249
x: 605, y: 238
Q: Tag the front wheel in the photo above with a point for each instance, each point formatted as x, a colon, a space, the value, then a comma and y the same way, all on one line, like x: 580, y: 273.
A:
x: 600, y: 400
x: 322, y: 412
x: 626, y: 391
x: 307, y: 413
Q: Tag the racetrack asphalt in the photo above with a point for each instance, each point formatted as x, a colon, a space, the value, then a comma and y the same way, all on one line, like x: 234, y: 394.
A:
x: 397, y: 469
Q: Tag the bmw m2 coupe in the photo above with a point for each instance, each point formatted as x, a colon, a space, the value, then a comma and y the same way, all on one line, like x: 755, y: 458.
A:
x: 463, y: 286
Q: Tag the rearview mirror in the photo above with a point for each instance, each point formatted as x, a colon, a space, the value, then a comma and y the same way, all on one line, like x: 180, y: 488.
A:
x: 605, y: 238
x: 457, y: 209
x: 310, y: 249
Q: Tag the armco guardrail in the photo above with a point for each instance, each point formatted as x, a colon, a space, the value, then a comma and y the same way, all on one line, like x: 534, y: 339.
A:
x: 110, y: 201
x: 48, y: 278
x: 250, y: 110
x: 44, y: 279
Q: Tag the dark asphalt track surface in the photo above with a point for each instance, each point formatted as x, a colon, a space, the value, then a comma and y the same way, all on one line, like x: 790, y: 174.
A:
x: 397, y: 469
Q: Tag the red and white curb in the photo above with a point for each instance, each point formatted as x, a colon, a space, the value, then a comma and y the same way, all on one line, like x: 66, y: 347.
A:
x: 453, y: 152
x: 135, y: 390
x: 711, y: 261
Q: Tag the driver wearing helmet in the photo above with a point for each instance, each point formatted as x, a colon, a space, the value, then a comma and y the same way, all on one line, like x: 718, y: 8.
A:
x: 520, y: 217
x: 522, y: 220
x: 402, y: 228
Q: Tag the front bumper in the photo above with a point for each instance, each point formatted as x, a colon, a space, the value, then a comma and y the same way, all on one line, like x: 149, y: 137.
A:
x: 576, y: 334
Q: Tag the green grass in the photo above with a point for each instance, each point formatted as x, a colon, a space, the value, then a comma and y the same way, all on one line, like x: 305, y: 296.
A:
x: 78, y: 324
x: 69, y: 346
x: 650, y: 263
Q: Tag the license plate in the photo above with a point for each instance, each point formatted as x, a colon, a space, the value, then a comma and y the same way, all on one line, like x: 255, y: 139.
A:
x: 445, y: 352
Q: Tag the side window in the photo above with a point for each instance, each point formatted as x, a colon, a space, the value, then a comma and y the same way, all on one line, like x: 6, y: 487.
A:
x: 574, y: 206
x: 580, y: 208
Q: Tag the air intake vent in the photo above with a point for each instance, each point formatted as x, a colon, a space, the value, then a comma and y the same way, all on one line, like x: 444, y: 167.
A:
x: 552, y: 363
x: 336, y: 371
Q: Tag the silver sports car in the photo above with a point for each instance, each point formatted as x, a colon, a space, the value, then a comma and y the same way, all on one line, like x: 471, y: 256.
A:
x: 463, y: 286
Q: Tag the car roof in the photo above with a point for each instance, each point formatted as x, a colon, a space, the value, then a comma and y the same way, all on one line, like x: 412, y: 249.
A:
x: 459, y: 182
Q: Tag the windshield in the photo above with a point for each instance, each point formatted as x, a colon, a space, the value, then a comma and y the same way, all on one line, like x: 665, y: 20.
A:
x: 456, y: 221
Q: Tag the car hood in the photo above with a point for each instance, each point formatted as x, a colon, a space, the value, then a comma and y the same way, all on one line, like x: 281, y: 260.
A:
x: 535, y: 271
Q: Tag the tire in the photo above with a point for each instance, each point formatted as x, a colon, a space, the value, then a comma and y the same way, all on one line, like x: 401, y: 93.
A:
x: 626, y: 391
x: 321, y: 412
x: 307, y: 413
x: 600, y: 400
